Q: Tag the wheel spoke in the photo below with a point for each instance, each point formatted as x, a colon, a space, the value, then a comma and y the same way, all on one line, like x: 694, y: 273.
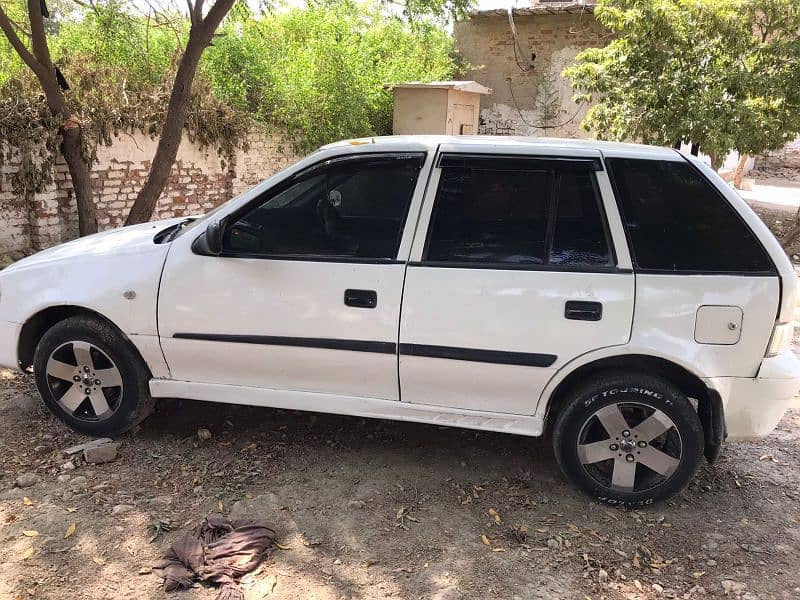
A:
x: 624, y: 476
x: 72, y: 398
x: 99, y: 403
x: 60, y: 370
x: 109, y: 377
x: 653, y: 426
x: 660, y: 462
x: 594, y: 452
x: 612, y: 419
x: 82, y: 354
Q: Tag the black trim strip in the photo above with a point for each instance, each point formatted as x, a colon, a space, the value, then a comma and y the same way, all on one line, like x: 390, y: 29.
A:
x: 517, y: 162
x: 500, y: 357
x: 276, y: 340
x: 520, y: 267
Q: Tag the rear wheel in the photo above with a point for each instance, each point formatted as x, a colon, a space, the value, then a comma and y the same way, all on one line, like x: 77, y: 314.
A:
x: 91, y: 377
x: 629, y: 439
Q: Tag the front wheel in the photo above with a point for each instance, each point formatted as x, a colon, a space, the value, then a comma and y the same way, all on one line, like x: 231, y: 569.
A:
x: 91, y: 378
x: 628, y: 439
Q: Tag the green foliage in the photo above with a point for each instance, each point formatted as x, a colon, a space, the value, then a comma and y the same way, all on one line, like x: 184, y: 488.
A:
x: 318, y: 73
x: 724, y: 74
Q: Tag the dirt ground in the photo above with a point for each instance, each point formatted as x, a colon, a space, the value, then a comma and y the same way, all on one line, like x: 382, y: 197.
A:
x: 373, y: 509
x: 370, y: 509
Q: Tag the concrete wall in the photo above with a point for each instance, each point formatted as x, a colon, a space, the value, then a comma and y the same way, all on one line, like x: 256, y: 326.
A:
x: 200, y: 180
x: 516, y: 106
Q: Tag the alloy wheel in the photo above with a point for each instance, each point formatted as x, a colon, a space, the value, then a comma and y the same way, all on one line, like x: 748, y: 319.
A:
x: 629, y: 447
x: 84, y: 381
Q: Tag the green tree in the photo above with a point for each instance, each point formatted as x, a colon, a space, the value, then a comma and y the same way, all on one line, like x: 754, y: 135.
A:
x: 721, y: 74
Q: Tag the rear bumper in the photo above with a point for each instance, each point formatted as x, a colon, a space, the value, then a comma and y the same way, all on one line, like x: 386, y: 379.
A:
x: 754, y: 405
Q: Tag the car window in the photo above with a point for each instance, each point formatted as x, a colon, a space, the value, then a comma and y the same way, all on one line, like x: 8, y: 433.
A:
x: 351, y: 210
x: 678, y: 222
x: 579, y: 236
x: 516, y: 212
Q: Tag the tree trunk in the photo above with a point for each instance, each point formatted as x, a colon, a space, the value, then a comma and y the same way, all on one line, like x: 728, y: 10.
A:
x: 200, y: 36
x: 695, y: 149
x: 81, y: 178
x: 738, y: 174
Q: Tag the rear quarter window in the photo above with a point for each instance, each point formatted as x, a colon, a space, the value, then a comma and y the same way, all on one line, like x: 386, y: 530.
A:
x: 677, y: 221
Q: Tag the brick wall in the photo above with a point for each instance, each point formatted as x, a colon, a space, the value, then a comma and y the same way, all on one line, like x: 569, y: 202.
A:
x: 200, y: 180
x: 516, y: 105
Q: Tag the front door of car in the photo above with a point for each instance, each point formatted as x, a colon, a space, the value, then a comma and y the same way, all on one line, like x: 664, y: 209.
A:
x: 305, y: 295
x: 516, y: 277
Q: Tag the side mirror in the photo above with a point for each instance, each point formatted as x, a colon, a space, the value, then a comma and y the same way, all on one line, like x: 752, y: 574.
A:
x: 213, y: 237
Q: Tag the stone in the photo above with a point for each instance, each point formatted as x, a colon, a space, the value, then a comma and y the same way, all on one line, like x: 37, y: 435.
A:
x: 80, y: 447
x: 553, y: 544
x: 64, y: 478
x: 78, y: 483
x: 356, y: 504
x: 729, y: 586
x: 203, y: 434
x: 27, y: 480
x: 121, y: 509
x: 68, y: 466
x: 101, y: 454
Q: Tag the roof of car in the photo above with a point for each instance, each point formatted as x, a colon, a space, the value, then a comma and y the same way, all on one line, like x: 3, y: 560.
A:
x: 497, y: 142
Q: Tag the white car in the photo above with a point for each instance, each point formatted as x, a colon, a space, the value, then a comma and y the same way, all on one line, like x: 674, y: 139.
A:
x: 621, y: 297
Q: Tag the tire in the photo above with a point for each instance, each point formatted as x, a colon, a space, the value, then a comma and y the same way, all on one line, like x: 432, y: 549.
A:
x: 114, y: 373
x: 647, y: 457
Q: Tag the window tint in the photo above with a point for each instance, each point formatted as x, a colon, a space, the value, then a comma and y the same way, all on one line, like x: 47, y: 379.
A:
x: 502, y: 215
x: 579, y: 236
x: 490, y: 216
x: 677, y: 221
x: 354, y: 210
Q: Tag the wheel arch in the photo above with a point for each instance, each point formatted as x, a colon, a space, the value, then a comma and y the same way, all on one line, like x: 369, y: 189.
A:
x: 709, y: 402
x: 39, y: 323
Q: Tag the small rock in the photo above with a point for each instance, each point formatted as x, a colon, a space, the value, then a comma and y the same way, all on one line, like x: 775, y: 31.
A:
x: 27, y: 480
x: 729, y: 586
x: 63, y: 478
x: 711, y: 562
x: 602, y: 576
x: 68, y: 466
x: 337, y: 561
x: 101, y: 454
x: 204, y: 434
x: 356, y: 504
x: 657, y: 588
x: 198, y: 489
x: 121, y: 509
x: 553, y: 544
x: 78, y: 483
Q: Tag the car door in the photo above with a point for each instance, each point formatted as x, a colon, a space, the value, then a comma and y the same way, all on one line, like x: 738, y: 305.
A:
x: 512, y: 275
x: 305, y: 295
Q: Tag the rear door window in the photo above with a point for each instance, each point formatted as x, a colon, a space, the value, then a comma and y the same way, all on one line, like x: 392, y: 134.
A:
x: 517, y: 212
x: 677, y: 221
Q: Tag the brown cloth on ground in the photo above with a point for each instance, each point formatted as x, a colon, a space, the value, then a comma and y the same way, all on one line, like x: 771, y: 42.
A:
x: 220, y: 551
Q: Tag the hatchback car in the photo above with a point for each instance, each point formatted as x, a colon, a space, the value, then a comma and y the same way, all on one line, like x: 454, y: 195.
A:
x: 622, y: 298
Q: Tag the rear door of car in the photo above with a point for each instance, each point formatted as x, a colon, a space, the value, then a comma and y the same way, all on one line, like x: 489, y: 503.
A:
x: 513, y: 273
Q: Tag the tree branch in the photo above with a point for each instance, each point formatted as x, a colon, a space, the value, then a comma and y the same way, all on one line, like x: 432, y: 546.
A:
x: 198, y: 12
x: 25, y: 54
x: 38, y: 35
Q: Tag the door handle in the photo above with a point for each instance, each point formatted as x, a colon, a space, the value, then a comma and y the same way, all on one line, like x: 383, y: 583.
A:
x: 361, y: 298
x: 581, y: 310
